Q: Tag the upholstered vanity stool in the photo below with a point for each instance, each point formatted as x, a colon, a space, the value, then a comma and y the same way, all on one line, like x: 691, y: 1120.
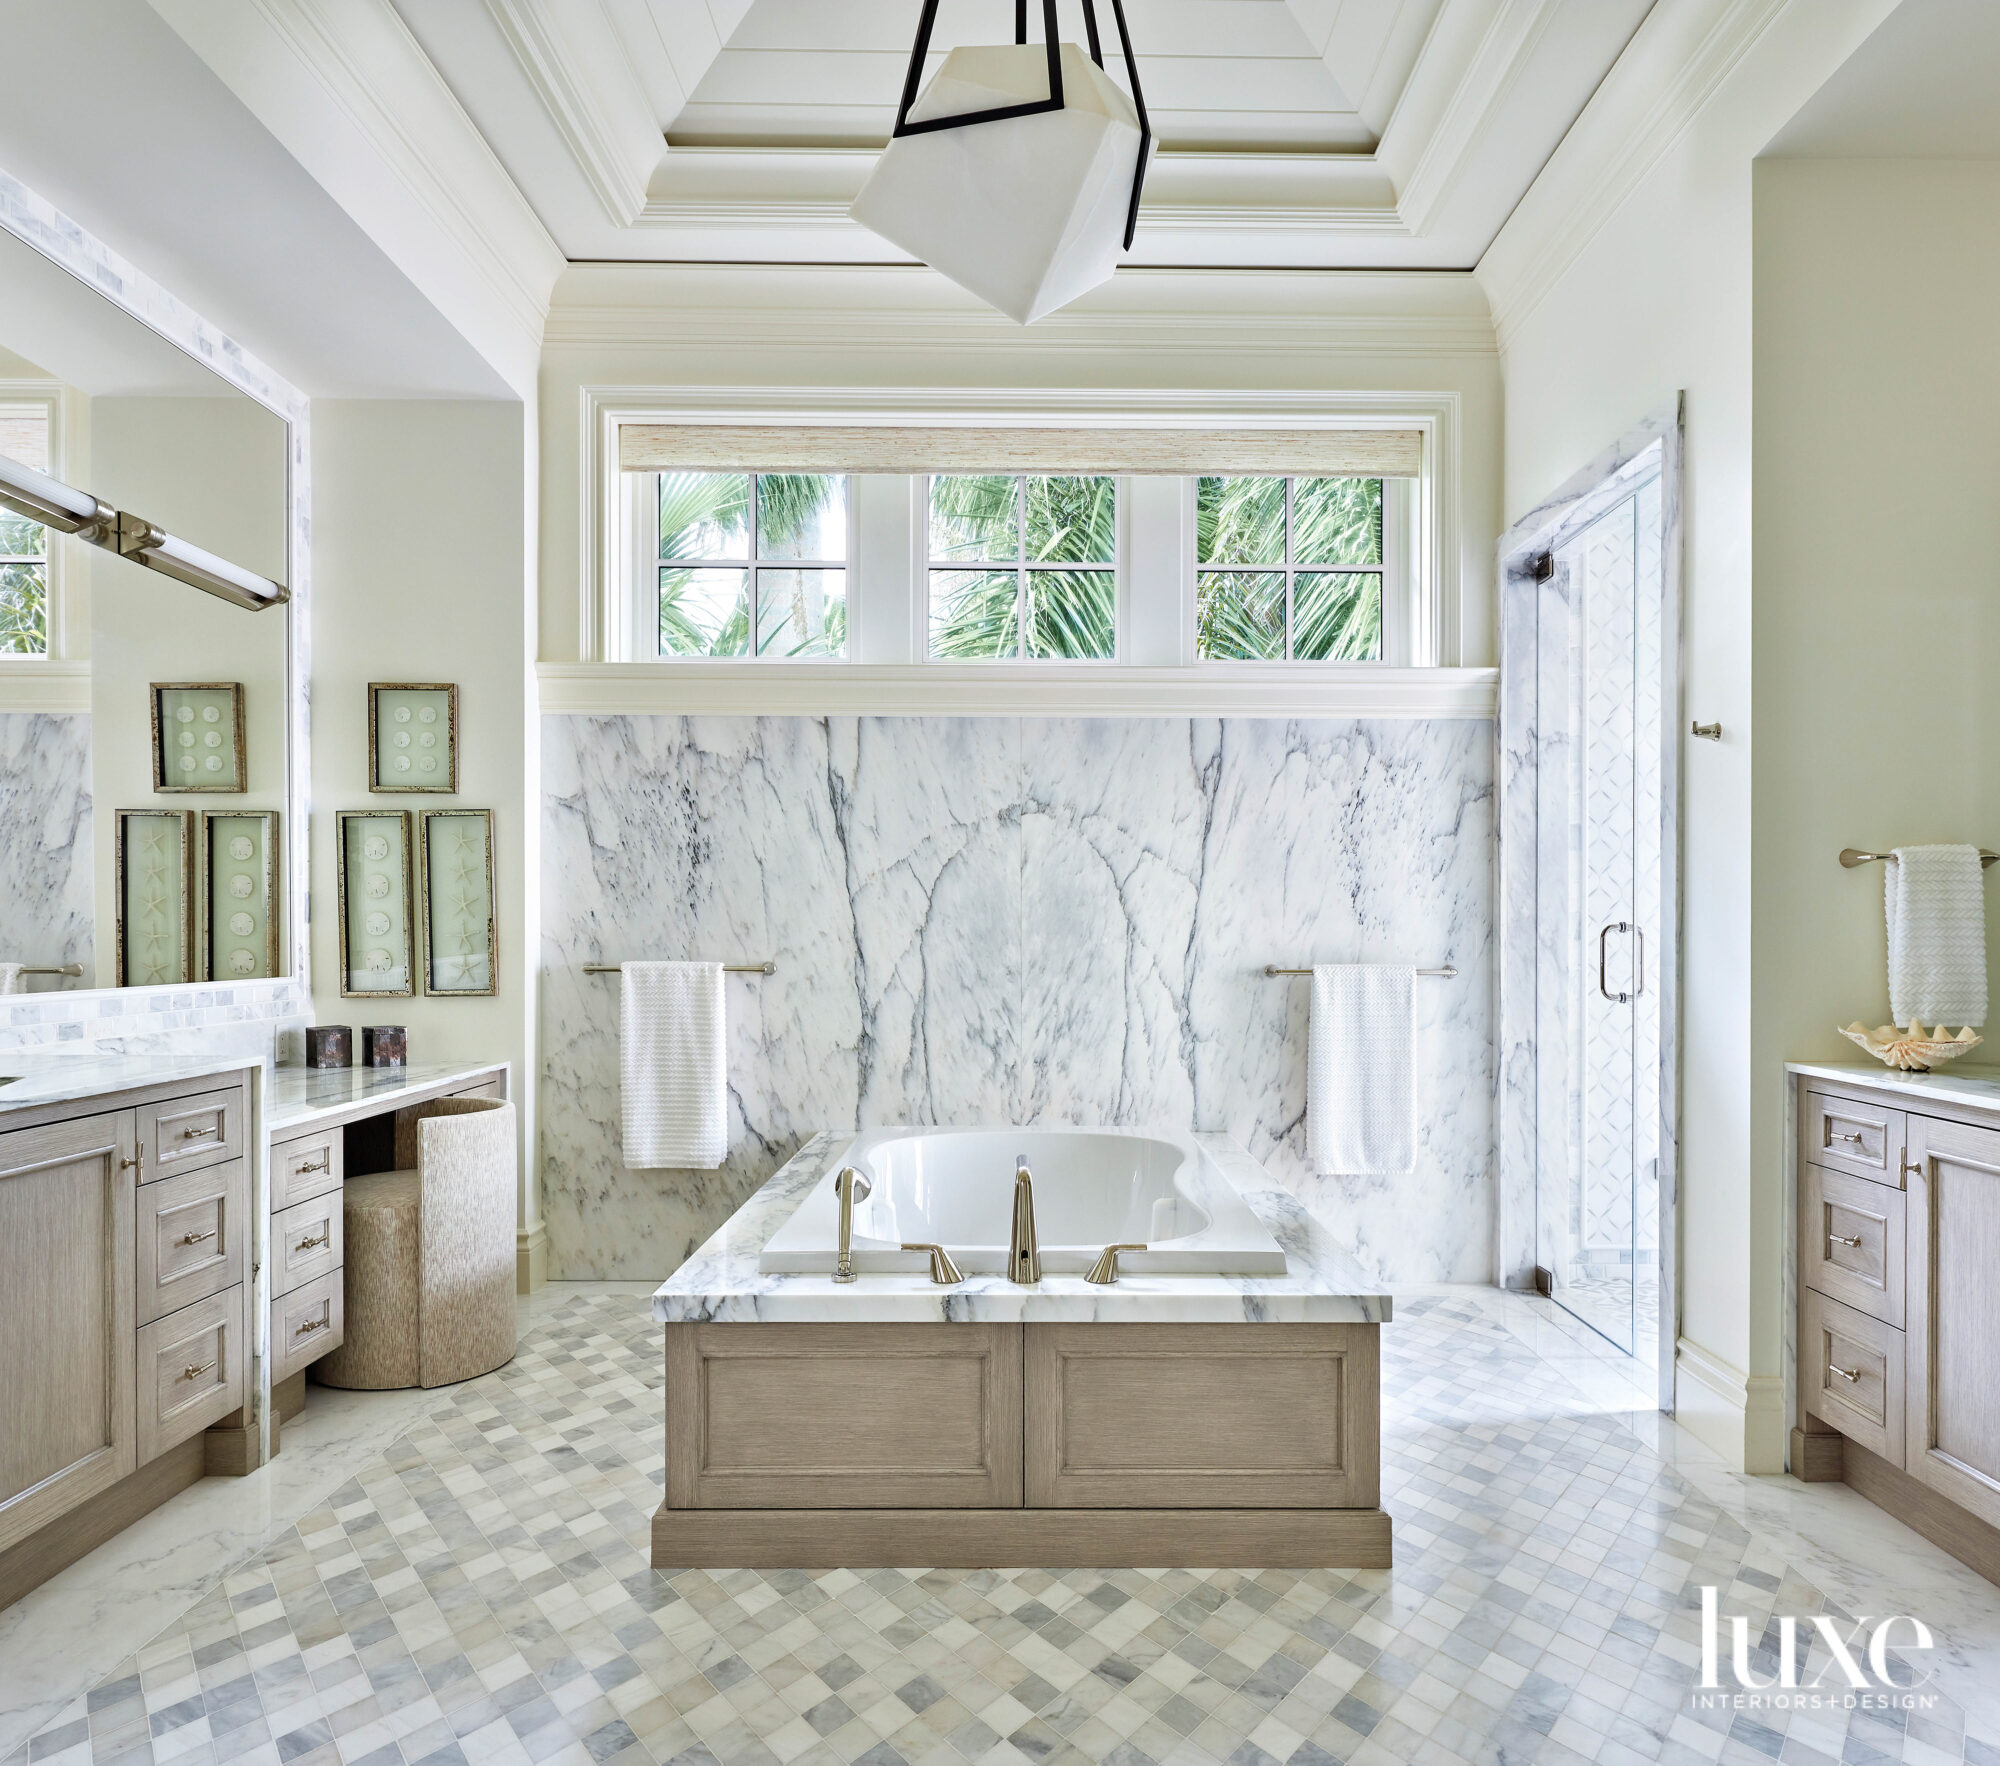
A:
x: 430, y: 1253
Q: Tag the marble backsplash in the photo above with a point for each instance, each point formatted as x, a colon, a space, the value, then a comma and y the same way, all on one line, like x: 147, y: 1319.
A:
x: 1006, y: 920
x: 46, y: 905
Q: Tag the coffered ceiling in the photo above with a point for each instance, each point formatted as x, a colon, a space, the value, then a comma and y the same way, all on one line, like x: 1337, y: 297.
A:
x: 1391, y: 133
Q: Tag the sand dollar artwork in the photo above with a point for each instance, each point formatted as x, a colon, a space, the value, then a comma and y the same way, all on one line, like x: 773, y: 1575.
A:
x: 240, y: 886
x: 213, y: 763
x: 211, y: 714
x: 187, y: 763
x: 402, y: 763
x: 212, y: 740
x: 430, y: 763
x: 242, y: 924
x: 378, y: 924
x: 402, y: 714
x: 242, y: 962
x: 380, y: 961
x: 428, y: 739
x: 184, y: 714
x: 378, y: 886
x: 187, y: 738
x: 429, y: 714
x: 376, y: 846
x: 402, y: 738
x: 241, y: 847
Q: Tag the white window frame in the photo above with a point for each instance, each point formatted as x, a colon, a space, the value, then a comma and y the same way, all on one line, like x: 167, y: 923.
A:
x: 1399, y: 588
x: 1118, y: 565
x: 49, y: 395
x: 643, y: 565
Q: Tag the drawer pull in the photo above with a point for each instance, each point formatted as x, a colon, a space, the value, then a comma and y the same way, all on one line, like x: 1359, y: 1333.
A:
x: 311, y: 1325
x: 1849, y: 1375
x: 1910, y: 1170
x: 127, y: 1164
x: 1839, y: 1239
x: 1851, y: 1139
x: 196, y: 1238
x: 196, y: 1134
x: 320, y: 1164
x: 325, y: 1238
x: 192, y: 1372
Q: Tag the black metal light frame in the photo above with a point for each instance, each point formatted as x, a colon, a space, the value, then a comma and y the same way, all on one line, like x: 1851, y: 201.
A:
x: 1039, y: 106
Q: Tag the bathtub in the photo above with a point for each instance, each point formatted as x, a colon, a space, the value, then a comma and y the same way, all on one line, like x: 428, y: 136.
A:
x: 1093, y: 1187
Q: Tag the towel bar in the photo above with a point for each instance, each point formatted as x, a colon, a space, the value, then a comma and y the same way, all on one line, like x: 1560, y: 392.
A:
x: 1447, y: 973
x: 1852, y: 856
x: 73, y: 970
x: 727, y: 968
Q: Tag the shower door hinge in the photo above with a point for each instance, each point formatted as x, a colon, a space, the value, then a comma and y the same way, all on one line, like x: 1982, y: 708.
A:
x: 1545, y: 1280
x: 1543, y: 565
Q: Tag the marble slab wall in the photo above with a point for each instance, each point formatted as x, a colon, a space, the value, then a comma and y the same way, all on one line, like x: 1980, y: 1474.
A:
x: 1005, y: 920
x: 46, y: 907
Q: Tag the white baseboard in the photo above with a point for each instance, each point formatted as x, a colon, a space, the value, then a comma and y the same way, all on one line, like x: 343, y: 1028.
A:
x: 1740, y: 1416
x: 531, y: 1258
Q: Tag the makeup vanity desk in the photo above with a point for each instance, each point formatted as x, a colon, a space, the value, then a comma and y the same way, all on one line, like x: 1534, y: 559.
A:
x: 170, y: 1265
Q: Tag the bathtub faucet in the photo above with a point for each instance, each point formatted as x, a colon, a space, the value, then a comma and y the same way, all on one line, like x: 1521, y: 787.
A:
x: 1024, y: 1251
x: 844, y: 1188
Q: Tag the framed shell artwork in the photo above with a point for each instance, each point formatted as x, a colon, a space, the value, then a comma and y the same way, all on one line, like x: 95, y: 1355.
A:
x: 377, y: 958
x: 239, y: 899
x: 156, y: 896
x: 412, y: 737
x: 198, y: 736
x: 457, y: 897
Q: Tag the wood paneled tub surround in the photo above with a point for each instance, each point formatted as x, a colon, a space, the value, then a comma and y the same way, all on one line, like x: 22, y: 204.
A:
x: 1165, y: 1421
x: 1897, y: 1203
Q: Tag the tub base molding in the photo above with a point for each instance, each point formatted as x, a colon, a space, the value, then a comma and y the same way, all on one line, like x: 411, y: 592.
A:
x: 1018, y: 1538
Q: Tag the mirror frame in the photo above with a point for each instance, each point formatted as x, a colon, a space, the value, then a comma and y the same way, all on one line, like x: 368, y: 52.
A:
x: 46, y: 229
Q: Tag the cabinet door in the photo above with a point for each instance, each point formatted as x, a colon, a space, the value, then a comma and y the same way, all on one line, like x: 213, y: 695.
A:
x: 66, y: 1276
x: 1953, y: 1431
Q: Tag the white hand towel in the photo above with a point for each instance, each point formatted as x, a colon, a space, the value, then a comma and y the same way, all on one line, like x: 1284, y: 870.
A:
x: 12, y: 980
x: 1935, y: 898
x: 672, y: 1066
x: 1361, y: 1111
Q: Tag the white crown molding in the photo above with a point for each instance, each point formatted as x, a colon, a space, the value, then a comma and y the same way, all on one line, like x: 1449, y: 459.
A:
x: 349, y: 92
x: 35, y: 683
x: 580, y: 71
x: 757, y: 689
x: 1674, y: 64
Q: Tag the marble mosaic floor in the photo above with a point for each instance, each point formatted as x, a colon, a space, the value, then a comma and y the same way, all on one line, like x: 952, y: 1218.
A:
x: 477, y: 1591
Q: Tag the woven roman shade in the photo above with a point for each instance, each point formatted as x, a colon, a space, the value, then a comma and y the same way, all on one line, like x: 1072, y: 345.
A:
x: 24, y: 434
x: 1309, y: 453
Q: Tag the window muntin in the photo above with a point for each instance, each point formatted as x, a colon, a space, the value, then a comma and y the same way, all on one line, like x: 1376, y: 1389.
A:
x: 1023, y: 567
x: 742, y: 553
x: 1288, y: 569
x: 24, y: 544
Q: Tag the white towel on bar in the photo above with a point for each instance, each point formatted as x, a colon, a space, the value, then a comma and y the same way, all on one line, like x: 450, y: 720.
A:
x: 13, y: 978
x: 1361, y: 1113
x: 672, y: 1068
x: 1935, y: 898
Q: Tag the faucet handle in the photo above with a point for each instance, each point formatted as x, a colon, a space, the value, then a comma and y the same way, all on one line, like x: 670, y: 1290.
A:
x: 943, y: 1271
x: 1105, y: 1270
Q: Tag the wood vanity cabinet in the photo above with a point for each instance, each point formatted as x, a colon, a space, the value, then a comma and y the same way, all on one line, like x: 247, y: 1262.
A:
x: 1898, y: 1258
x: 125, y: 1263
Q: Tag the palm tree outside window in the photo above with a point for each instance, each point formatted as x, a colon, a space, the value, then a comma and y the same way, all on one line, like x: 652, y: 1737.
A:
x: 745, y: 553
x: 1023, y: 567
x: 1288, y: 569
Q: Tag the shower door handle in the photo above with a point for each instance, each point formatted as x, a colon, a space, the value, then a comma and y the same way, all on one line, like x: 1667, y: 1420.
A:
x: 1603, y: 933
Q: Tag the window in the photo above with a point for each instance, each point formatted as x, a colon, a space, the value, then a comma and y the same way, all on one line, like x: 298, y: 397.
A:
x: 741, y: 553
x: 1288, y: 569
x: 24, y: 544
x: 1023, y: 567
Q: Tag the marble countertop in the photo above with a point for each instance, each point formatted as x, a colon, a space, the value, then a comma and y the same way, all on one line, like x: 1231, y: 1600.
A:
x: 313, y: 1097
x: 59, y: 1079
x: 721, y: 1283
x: 1976, y: 1088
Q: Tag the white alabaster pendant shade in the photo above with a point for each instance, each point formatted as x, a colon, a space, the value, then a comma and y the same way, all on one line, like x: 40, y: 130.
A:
x: 1027, y: 213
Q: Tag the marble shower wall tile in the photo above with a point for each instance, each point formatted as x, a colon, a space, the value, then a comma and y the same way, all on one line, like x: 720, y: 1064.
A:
x: 995, y: 920
x: 46, y: 908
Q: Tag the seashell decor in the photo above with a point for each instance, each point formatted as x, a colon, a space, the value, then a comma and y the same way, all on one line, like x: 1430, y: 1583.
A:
x: 1915, y: 1050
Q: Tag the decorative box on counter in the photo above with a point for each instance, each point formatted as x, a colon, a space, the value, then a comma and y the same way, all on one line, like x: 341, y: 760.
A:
x: 385, y: 1045
x: 329, y: 1045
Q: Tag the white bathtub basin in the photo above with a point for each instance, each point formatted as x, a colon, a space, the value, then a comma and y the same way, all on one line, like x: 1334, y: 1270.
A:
x: 1093, y: 1187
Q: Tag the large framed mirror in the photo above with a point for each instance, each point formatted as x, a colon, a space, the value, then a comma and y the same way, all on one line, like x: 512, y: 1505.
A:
x: 151, y: 732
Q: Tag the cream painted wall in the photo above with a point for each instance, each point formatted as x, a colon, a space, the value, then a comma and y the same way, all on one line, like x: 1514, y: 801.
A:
x: 211, y: 471
x: 422, y: 524
x: 639, y: 328
x: 1877, y: 558
x: 1659, y: 301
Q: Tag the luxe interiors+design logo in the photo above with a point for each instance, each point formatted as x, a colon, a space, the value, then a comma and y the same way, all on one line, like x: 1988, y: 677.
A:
x: 1855, y: 1672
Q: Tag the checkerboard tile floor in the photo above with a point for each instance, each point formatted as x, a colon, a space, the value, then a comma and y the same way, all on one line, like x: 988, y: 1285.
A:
x: 481, y: 1594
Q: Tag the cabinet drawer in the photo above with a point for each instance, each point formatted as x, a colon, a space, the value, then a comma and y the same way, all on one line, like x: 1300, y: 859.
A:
x: 1846, y: 1134
x: 305, y: 1324
x: 306, y: 1167
x: 184, y: 1134
x: 190, y: 1371
x: 1851, y: 1241
x: 306, y: 1242
x: 1851, y: 1371
x: 191, y: 1237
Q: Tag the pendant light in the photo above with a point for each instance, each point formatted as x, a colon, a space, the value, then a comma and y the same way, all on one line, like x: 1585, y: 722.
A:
x: 1016, y: 172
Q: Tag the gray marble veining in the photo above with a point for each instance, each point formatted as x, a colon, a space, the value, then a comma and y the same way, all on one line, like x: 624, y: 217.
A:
x: 46, y: 913
x: 722, y: 1284
x: 983, y: 921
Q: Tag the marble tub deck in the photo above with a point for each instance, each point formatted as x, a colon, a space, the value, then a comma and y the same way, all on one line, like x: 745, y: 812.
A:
x: 721, y: 1283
